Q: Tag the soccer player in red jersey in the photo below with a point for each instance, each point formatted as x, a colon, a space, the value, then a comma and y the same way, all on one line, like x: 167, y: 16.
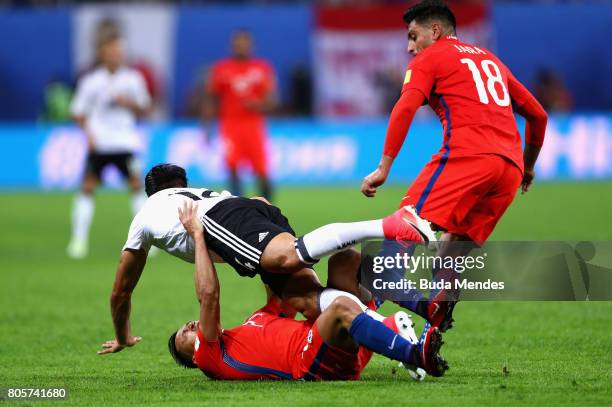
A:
x: 466, y: 188
x: 243, y: 89
x: 270, y: 344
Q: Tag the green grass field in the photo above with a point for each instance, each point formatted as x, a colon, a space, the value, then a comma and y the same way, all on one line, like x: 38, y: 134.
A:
x: 55, y: 313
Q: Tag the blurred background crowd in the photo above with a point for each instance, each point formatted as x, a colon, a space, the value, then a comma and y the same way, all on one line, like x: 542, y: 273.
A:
x: 338, y: 67
x: 332, y: 58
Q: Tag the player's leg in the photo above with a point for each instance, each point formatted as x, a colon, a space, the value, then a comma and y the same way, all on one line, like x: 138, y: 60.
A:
x: 343, y: 274
x: 302, y: 289
x: 435, y: 194
x: 472, y: 231
x: 440, y: 304
x: 284, y: 254
x: 235, y: 185
x: 329, y: 239
x: 257, y: 155
x: 231, y: 153
x: 299, y: 290
x: 265, y: 186
x: 128, y: 165
x: 83, y: 207
x: 345, y: 325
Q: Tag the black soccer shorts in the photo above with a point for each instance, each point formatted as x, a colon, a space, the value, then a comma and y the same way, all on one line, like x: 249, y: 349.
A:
x: 125, y: 163
x: 239, y: 229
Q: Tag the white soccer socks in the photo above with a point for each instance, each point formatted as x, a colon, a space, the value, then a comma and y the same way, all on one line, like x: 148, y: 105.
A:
x: 82, y: 214
x: 335, y: 237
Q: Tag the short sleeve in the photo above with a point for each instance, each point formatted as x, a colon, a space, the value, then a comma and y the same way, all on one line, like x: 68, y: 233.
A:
x: 419, y: 76
x: 138, y: 236
x: 82, y: 100
x: 207, y: 354
x: 142, y: 97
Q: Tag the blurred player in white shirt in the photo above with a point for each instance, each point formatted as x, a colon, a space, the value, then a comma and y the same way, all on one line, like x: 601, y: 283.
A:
x: 107, y: 103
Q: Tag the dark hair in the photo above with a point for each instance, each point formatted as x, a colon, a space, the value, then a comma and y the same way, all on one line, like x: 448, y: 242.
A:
x: 164, y: 176
x: 178, y: 358
x: 107, y: 31
x: 428, y: 10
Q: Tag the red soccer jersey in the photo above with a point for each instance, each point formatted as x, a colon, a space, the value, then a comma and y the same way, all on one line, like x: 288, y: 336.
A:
x: 470, y: 90
x: 238, y: 82
x: 265, y: 346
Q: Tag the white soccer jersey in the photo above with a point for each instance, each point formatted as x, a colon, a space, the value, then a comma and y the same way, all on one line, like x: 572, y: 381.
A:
x: 113, y: 128
x: 158, y: 223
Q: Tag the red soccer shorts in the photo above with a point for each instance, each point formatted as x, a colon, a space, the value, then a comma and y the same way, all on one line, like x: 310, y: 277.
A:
x: 244, y: 143
x: 320, y: 361
x: 465, y: 195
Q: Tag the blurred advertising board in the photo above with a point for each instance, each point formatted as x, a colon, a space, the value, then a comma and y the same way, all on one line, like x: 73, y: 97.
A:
x: 304, y: 151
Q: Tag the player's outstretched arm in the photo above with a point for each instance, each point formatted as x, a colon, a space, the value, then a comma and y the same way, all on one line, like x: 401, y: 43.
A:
x: 130, y: 268
x: 535, y: 127
x: 206, y: 281
x: 399, y: 123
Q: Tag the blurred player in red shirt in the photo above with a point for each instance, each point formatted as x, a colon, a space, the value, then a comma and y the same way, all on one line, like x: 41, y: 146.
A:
x: 241, y: 89
x: 270, y: 344
x: 466, y: 188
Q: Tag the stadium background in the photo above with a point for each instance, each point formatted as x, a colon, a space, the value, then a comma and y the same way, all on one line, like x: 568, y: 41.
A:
x: 340, y: 65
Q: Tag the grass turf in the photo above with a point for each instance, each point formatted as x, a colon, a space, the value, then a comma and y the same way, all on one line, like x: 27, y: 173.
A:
x: 55, y: 313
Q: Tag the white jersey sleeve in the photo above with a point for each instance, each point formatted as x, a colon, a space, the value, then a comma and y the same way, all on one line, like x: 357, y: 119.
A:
x: 82, y: 103
x: 141, y: 93
x: 138, y: 236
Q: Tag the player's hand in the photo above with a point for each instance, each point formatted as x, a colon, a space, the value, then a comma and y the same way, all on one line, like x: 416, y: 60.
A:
x: 188, y: 215
x: 113, y: 346
x: 528, y: 177
x: 122, y: 101
x: 372, y: 182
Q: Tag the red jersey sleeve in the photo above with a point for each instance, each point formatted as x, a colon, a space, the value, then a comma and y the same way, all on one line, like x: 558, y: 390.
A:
x: 419, y: 76
x: 400, y: 120
x: 207, y: 354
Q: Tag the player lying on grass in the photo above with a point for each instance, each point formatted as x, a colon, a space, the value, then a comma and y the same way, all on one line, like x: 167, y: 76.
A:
x: 270, y: 344
x: 249, y: 234
x: 466, y: 188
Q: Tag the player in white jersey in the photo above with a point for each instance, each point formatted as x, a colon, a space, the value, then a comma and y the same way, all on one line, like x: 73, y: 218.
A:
x: 107, y: 103
x: 251, y: 235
